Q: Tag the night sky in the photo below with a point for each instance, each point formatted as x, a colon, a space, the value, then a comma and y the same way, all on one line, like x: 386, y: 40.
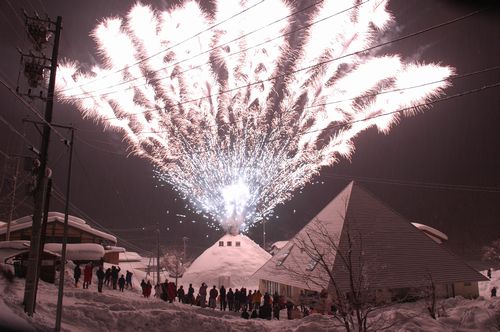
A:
x: 440, y: 167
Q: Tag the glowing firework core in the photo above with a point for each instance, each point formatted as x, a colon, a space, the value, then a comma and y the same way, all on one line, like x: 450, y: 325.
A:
x: 209, y: 106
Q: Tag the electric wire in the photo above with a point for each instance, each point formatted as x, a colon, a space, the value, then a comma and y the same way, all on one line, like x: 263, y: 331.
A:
x: 215, y: 48
x: 179, y: 43
x: 437, y: 26
x: 416, y: 184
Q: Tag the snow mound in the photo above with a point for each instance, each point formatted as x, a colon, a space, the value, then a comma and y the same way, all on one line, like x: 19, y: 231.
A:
x: 231, y: 261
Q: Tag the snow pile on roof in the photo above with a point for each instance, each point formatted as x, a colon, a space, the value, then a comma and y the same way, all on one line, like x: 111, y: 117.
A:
x: 26, y: 222
x: 78, y: 251
x: 231, y: 265
x: 431, y: 232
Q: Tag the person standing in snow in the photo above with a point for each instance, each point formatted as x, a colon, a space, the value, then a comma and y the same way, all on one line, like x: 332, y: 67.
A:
x: 276, y: 305
x: 257, y: 298
x: 222, y: 298
x: 143, y: 287
x: 121, y: 283
x: 230, y: 299
x: 249, y: 300
x: 147, y: 289
x: 128, y: 279
x: 181, y: 295
x: 203, y: 295
x: 213, y: 298
x: 100, y: 278
x: 114, y: 275
x: 87, y: 276
x: 107, y: 277
x: 190, y: 295
x: 237, y: 297
x: 494, y: 292
x: 77, y: 272
x: 171, y: 292
x: 489, y: 273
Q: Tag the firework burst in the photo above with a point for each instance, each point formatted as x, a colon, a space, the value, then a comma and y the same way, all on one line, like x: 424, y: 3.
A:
x: 238, y: 108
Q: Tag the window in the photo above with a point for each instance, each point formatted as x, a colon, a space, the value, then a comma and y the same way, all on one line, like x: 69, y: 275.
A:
x: 229, y: 243
x: 283, y: 257
x: 238, y: 243
x: 312, y: 263
x: 221, y: 243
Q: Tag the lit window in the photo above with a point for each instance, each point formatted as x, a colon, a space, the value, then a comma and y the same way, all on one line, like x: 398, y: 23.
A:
x: 221, y: 243
x: 229, y: 243
x: 238, y: 243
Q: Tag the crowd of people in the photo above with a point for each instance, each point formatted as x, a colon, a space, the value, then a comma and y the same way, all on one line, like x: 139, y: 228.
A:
x: 111, y: 277
x: 250, y: 304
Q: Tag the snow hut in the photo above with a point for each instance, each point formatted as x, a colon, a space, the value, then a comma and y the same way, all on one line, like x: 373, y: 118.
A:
x: 394, y: 258
x: 231, y: 261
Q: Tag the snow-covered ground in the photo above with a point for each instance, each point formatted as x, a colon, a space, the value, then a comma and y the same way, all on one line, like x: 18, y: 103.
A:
x: 88, y: 310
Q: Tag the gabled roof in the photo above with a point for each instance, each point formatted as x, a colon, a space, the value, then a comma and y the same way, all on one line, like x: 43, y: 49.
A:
x: 391, y: 252
x: 26, y: 222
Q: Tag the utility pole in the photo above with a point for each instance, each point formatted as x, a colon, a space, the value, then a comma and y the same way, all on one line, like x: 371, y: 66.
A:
x: 38, y: 29
x: 65, y: 237
x: 12, y: 200
x: 158, y: 254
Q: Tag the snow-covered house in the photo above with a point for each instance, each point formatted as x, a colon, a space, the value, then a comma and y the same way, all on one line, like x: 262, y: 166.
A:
x: 393, y: 256
x: 78, y: 230
x: 277, y: 246
x: 231, y: 261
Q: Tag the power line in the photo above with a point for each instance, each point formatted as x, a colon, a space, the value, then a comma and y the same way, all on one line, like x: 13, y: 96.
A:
x: 171, y: 47
x: 451, y: 78
x: 31, y: 108
x: 311, y: 66
x: 417, y: 184
x: 14, y: 130
x: 215, y: 48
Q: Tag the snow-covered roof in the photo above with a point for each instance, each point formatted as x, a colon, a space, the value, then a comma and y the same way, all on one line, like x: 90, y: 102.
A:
x: 78, y: 251
x: 26, y: 222
x: 431, y: 232
x: 395, y: 253
x: 2, y: 223
x: 114, y: 249
x: 231, y: 265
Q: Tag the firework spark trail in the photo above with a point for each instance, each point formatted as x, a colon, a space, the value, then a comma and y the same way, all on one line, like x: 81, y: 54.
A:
x: 233, y: 148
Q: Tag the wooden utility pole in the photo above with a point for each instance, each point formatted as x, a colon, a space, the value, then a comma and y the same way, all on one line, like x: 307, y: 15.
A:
x: 38, y: 29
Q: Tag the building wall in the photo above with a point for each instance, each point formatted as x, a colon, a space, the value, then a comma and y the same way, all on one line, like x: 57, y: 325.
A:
x: 468, y: 290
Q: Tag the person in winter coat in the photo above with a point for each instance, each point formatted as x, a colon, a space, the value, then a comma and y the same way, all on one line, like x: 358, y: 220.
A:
x: 164, y: 291
x: 121, y: 283
x: 494, y: 292
x: 190, y: 294
x: 147, y: 290
x: 128, y: 279
x: 143, y: 287
x: 213, y: 298
x: 157, y: 290
x: 222, y: 298
x: 249, y: 300
x: 289, y: 308
x: 77, y: 272
x: 203, y: 295
x: 107, y: 277
x: 237, y: 297
x: 114, y: 275
x: 230, y: 299
x: 171, y: 292
x: 87, y: 276
x: 256, y: 299
x: 276, y: 305
x: 100, y: 278
x: 181, y: 295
